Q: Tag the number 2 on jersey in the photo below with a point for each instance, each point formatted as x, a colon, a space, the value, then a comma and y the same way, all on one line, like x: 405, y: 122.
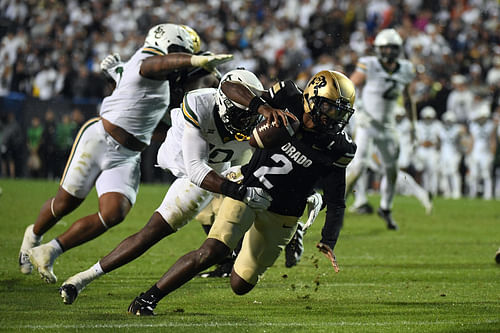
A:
x: 392, y: 91
x: 283, y: 169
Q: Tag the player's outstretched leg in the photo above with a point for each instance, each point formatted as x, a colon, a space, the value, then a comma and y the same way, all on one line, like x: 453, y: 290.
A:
x: 51, y: 212
x: 295, y: 248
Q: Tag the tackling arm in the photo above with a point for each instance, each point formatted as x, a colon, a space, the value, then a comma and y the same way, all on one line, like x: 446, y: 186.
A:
x: 241, y: 94
x: 159, y: 67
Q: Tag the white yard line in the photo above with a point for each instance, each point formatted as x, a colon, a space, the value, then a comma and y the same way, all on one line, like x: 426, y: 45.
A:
x: 243, y: 325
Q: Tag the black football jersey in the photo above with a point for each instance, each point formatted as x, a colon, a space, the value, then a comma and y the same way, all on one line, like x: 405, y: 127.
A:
x: 291, y: 172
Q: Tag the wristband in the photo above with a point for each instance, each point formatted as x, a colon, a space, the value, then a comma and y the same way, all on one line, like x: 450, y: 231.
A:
x: 233, y: 190
x: 255, y: 103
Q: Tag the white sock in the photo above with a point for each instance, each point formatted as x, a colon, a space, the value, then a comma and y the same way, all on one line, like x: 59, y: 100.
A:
x: 57, y: 248
x: 35, y: 236
x: 97, y: 270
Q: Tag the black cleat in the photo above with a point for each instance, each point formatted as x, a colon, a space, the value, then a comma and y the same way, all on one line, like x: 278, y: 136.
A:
x: 69, y: 293
x: 364, y: 209
x: 141, y: 307
x: 295, y: 248
x: 387, y: 216
x: 223, y: 270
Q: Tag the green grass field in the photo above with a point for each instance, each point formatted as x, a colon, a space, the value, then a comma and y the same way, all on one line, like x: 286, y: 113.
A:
x: 437, y: 274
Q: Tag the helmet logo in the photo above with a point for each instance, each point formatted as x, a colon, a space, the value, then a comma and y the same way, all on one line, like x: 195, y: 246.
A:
x: 159, y: 32
x: 317, y: 83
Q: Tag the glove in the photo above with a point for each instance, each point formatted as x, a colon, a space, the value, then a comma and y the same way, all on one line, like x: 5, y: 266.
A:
x: 233, y: 174
x: 110, y: 61
x: 314, y: 204
x: 257, y: 198
x: 209, y: 62
x: 327, y: 251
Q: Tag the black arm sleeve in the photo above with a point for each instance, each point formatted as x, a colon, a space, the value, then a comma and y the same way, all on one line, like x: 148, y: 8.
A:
x: 334, y: 197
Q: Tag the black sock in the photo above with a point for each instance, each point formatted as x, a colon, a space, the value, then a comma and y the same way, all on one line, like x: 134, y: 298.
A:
x: 153, y: 295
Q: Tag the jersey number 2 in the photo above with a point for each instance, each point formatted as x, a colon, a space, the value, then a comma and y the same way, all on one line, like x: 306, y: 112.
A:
x: 391, y: 92
x: 283, y: 169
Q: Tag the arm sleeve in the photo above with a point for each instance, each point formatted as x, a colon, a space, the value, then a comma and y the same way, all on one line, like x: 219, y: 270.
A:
x: 195, y: 153
x: 334, y: 197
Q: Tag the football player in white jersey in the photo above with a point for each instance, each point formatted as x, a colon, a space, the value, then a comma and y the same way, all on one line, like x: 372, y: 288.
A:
x: 480, y: 158
x: 427, y: 152
x: 383, y: 78
x: 106, y: 151
x: 450, y: 155
x: 206, y: 135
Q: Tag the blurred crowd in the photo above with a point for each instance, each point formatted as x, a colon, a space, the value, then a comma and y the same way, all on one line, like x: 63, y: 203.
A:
x: 51, y: 50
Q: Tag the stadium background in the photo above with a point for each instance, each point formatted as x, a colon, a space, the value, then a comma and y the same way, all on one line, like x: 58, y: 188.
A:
x: 50, y: 54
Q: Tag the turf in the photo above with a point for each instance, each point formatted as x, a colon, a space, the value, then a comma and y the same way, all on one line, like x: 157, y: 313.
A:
x: 436, y: 274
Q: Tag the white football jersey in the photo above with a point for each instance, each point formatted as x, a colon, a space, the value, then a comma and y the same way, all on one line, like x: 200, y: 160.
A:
x: 137, y: 104
x: 449, y: 138
x: 382, y: 88
x: 428, y: 132
x: 481, y: 134
x: 210, y: 145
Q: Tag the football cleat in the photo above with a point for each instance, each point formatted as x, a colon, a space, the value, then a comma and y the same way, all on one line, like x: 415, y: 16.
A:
x: 497, y: 256
x: 141, y: 307
x: 73, y: 286
x: 387, y: 216
x: 68, y: 293
x: 28, y: 242
x: 295, y: 248
x: 364, y: 209
x: 42, y: 257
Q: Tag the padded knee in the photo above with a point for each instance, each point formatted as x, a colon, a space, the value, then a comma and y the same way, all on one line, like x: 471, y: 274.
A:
x: 239, y: 285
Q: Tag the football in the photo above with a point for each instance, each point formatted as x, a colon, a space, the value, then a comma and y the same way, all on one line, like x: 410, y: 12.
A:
x: 270, y: 136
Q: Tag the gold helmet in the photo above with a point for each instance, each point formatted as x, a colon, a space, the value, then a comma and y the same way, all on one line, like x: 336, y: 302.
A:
x: 329, y: 99
x: 195, y: 37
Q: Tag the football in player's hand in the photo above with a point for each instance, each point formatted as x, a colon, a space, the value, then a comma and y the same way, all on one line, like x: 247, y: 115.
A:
x: 269, y: 136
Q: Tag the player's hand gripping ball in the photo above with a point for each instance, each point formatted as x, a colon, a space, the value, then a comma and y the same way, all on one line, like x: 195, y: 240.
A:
x: 270, y: 136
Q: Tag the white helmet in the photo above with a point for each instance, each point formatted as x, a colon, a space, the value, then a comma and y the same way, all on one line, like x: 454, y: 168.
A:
x: 449, y: 117
x: 399, y: 111
x: 428, y: 112
x: 237, y: 118
x: 195, y: 37
x: 169, y: 38
x: 388, y: 44
x: 482, y: 111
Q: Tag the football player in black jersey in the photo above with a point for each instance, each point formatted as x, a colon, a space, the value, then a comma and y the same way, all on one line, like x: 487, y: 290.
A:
x: 318, y: 153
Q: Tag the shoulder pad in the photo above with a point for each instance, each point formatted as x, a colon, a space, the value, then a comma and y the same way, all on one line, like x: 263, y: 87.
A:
x: 287, y: 87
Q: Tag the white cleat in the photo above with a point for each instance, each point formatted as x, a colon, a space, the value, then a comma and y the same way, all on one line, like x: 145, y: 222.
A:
x: 42, y: 257
x: 72, y: 287
x: 28, y: 242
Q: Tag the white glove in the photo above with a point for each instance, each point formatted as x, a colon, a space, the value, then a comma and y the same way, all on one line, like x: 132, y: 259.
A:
x: 233, y: 174
x: 110, y: 61
x: 209, y: 62
x: 314, y: 203
x: 257, y: 198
